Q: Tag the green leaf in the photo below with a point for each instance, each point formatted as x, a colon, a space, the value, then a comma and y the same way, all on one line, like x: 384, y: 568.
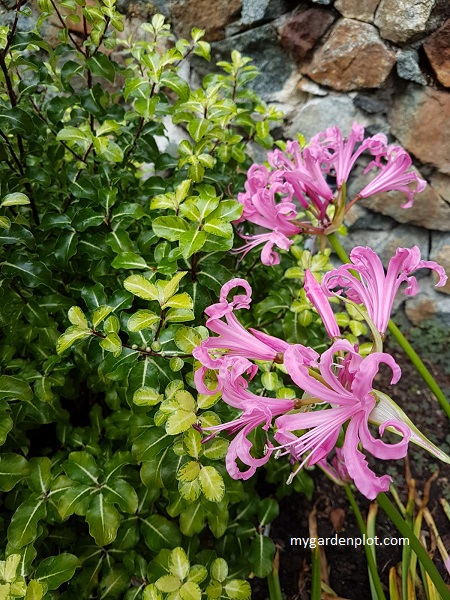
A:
x: 190, y: 490
x: 81, y: 467
x: 101, y: 66
x: 219, y: 227
x: 13, y: 387
x: 70, y: 336
x: 168, y: 583
x: 112, y: 343
x: 77, y: 317
x: 108, y: 150
x: 35, y: 590
x: 142, y: 319
x: 103, y: 520
x: 15, y: 199
x: 100, y: 314
x: 169, y: 228
x: 55, y: 570
x: 179, y: 315
x: 13, y: 468
x: 217, y: 449
x: 182, y: 300
x: 141, y: 287
x: 268, y: 510
x: 228, y: 210
x: 160, y: 533
x: 192, y: 241
x: 5, y: 223
x: 212, y: 484
x: 179, y: 563
x: 219, y: 569
x: 24, y: 522
x: 180, y: 421
x: 187, y: 338
x: 192, y: 519
x: 33, y: 274
x: 173, y: 81
x: 262, y: 551
x: 75, y: 135
x: 16, y: 120
x: 120, y: 492
x: 238, y: 589
x: 129, y: 260
x: 190, y: 591
x: 147, y: 396
x: 189, y: 471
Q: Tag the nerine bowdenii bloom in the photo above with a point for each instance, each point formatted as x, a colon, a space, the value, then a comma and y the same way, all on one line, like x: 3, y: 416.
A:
x: 293, y: 194
x: 365, y: 282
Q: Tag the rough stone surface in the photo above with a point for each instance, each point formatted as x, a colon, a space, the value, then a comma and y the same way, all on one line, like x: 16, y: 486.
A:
x: 428, y: 305
x: 359, y: 217
x: 437, y: 48
x: 319, y: 113
x: 363, y: 10
x: 303, y: 30
x: 187, y: 14
x: 440, y: 252
x: 420, y: 119
x: 441, y: 183
x: 408, y: 66
x: 385, y: 243
x: 353, y: 57
x: 401, y: 20
x: 254, y: 11
x: 262, y: 46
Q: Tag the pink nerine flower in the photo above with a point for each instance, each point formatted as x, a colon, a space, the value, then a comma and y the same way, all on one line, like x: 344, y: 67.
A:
x: 375, y: 289
x: 394, y: 175
x: 351, y: 401
x: 319, y: 299
x: 256, y: 411
x: 233, y: 339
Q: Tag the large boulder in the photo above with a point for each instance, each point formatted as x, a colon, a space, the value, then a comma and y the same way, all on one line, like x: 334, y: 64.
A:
x: 353, y: 57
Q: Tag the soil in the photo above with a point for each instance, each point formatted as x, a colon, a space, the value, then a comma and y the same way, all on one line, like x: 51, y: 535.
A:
x: 347, y: 568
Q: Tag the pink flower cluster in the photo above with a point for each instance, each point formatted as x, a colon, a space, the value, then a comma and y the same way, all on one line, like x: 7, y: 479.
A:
x: 337, y: 386
x: 297, y: 181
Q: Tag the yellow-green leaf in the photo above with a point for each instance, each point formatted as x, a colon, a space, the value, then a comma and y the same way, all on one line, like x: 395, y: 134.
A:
x: 77, y: 317
x: 212, y: 484
x: 180, y: 421
x: 142, y: 319
x: 70, y: 336
x: 141, y: 287
x: 189, y: 471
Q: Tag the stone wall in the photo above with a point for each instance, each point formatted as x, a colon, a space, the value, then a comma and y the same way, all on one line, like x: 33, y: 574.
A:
x: 383, y: 63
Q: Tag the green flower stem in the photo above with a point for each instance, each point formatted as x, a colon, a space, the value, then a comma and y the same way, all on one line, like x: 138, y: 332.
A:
x: 415, y: 544
x: 420, y: 367
x: 402, y: 341
x: 369, y: 555
x: 273, y: 583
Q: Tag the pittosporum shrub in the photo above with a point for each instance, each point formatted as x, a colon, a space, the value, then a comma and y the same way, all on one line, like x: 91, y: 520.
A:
x: 114, y: 241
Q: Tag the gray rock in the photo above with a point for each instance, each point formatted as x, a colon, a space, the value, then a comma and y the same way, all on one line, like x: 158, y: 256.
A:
x: 319, y: 113
x: 428, y: 305
x: 408, y: 66
x: 254, y: 11
x: 440, y: 252
x: 402, y: 20
x: 363, y: 10
x: 260, y: 44
x: 385, y: 243
x: 359, y: 217
x: 420, y: 120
